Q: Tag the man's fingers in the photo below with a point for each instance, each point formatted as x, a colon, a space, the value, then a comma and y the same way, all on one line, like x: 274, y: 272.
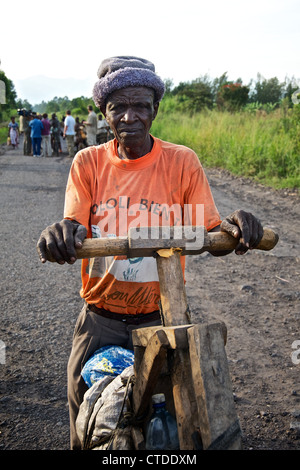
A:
x: 80, y: 235
x: 68, y: 242
x: 73, y: 238
x: 257, y: 233
x: 245, y: 227
x: 229, y: 227
x: 59, y: 241
x: 48, y: 244
x: 41, y: 249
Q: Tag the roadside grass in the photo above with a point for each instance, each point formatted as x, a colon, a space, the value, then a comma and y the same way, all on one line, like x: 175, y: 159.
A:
x: 3, y: 134
x: 264, y: 147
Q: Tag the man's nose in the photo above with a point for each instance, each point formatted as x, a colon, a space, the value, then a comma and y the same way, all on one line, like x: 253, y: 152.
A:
x: 129, y: 115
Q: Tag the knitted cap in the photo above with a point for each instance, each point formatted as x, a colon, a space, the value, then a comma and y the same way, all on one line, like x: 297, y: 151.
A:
x: 120, y: 72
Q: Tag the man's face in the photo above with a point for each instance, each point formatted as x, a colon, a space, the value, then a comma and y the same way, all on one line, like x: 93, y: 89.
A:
x: 129, y: 113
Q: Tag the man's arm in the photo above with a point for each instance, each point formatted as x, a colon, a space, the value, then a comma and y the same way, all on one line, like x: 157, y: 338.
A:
x: 60, y: 240
x: 245, y: 227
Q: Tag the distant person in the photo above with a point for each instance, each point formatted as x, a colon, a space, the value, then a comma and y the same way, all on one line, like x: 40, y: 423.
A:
x: 102, y: 130
x: 91, y: 127
x: 13, y: 132
x: 25, y: 130
x: 36, y: 126
x: 46, y: 137
x: 80, y: 135
x: 55, y: 134
x: 22, y: 115
x: 69, y: 133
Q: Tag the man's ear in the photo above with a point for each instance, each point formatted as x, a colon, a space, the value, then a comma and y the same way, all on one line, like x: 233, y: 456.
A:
x: 155, y: 106
x: 103, y: 110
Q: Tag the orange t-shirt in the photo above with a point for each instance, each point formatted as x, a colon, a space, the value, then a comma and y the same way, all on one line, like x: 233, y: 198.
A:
x: 108, y: 195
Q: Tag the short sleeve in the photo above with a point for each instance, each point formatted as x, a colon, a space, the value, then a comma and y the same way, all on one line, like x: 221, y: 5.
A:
x: 78, y: 193
x: 199, y: 201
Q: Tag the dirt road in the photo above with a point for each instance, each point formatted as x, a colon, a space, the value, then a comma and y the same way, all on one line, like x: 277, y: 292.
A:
x: 256, y: 295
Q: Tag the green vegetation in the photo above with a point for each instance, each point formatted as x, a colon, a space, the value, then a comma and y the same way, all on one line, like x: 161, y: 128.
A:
x: 251, y: 142
x: 3, y: 134
x: 78, y: 106
x: 251, y: 130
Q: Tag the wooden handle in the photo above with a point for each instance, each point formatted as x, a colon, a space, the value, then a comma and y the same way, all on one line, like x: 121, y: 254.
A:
x: 98, y: 247
x: 213, y: 241
x: 219, y: 241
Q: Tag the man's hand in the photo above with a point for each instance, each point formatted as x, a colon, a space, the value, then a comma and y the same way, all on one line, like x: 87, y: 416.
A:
x: 245, y: 227
x: 60, y: 240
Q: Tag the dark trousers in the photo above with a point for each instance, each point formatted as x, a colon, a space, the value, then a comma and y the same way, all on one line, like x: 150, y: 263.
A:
x: 91, y: 333
x: 36, y: 145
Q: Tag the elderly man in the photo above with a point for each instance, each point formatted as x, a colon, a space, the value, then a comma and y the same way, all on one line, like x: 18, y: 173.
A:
x: 107, y: 186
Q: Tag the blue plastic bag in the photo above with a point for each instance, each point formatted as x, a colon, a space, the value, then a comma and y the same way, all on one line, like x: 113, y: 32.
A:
x: 108, y: 360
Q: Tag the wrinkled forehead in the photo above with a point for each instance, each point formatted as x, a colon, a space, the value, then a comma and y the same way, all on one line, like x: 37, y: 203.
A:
x: 132, y: 94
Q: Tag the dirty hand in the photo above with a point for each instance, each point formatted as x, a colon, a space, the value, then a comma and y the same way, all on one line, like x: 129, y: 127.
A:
x: 60, y: 240
x: 244, y: 226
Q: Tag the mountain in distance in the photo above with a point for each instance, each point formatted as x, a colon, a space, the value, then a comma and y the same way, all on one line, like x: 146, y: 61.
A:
x: 41, y: 88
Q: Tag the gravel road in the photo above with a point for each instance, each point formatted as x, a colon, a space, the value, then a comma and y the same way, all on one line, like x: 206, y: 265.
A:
x: 256, y: 295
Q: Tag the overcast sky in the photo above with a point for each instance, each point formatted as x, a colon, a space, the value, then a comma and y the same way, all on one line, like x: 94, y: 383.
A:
x: 185, y: 40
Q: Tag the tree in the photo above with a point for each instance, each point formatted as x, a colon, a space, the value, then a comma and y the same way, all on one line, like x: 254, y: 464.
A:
x: 23, y: 104
x: 196, y: 95
x: 232, y: 96
x: 217, y: 84
x: 169, y: 85
x: 267, y: 90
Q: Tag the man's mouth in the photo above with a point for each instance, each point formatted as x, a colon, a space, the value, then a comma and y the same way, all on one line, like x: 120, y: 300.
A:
x: 129, y: 130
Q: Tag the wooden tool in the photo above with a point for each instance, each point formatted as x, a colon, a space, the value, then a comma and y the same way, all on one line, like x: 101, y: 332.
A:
x: 140, y: 242
x: 191, y: 358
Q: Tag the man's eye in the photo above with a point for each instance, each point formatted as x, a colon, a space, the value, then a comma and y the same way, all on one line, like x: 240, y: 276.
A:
x: 117, y: 108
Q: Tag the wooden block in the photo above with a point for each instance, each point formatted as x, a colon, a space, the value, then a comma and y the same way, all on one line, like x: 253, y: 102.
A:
x: 212, y: 385
x: 184, y: 398
x: 148, y: 370
x: 177, y: 335
x: 172, y: 290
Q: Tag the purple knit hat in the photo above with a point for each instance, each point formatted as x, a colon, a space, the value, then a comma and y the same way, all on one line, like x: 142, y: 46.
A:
x: 122, y: 72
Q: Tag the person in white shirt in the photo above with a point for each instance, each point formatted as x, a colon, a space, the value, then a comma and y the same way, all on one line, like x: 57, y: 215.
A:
x: 69, y: 133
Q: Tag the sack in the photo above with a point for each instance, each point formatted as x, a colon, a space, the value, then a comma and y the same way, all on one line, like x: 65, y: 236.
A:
x: 104, y: 420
